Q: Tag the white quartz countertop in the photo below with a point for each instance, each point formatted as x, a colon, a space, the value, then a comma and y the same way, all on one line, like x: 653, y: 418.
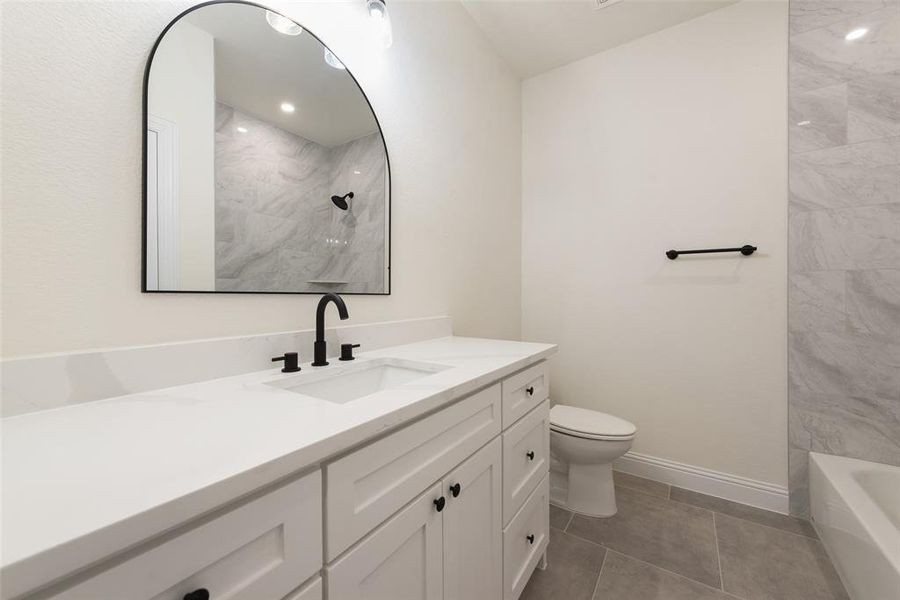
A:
x: 82, y: 482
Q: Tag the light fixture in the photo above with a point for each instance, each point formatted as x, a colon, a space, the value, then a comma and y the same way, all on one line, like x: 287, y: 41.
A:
x: 282, y: 24
x: 242, y: 130
x: 332, y: 60
x: 287, y: 107
x: 856, y: 34
x: 378, y: 13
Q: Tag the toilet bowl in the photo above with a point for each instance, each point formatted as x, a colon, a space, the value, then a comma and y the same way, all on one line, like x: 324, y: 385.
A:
x: 585, y: 442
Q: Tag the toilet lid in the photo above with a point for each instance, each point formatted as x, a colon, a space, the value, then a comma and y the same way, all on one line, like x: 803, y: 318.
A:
x: 590, y: 422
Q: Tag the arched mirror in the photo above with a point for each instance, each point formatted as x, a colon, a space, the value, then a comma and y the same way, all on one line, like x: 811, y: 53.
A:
x: 265, y: 169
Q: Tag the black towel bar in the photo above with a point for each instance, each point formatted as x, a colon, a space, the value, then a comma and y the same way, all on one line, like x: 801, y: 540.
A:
x: 746, y: 250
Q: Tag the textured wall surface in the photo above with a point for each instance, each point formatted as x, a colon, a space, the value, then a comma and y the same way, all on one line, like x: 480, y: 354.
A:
x: 674, y: 140
x: 71, y: 147
x: 276, y: 227
x: 844, y: 292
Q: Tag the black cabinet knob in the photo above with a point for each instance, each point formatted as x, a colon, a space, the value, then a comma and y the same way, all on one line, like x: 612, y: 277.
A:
x: 439, y: 503
x: 530, y: 391
x: 455, y: 489
x: 201, y: 594
x: 530, y: 538
x: 530, y: 455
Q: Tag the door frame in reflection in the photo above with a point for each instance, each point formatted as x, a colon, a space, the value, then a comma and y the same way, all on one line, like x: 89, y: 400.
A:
x: 162, y: 203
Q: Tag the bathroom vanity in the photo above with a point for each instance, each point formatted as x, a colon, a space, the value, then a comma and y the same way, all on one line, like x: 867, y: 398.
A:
x: 419, y: 471
x: 415, y: 471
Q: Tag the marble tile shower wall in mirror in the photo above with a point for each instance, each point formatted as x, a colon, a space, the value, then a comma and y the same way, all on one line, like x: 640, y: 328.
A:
x: 266, y: 170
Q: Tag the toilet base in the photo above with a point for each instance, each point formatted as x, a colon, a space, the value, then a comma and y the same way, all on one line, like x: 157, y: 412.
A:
x: 586, y: 466
x: 591, y: 490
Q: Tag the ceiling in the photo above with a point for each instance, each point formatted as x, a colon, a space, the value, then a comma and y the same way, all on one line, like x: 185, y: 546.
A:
x: 258, y: 68
x: 538, y: 35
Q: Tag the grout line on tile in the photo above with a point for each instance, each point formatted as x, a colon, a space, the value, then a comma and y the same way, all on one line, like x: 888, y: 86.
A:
x: 625, y: 485
x: 863, y: 269
x: 718, y: 553
x: 600, y: 573
x: 609, y: 550
x: 578, y: 537
x: 809, y: 537
x: 881, y: 139
x: 569, y: 522
x: 799, y: 535
x: 640, y: 491
x: 844, y: 20
x: 679, y: 575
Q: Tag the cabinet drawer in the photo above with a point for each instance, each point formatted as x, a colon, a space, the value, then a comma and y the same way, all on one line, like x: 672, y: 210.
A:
x: 259, y: 550
x: 523, y: 391
x: 366, y: 487
x: 310, y: 591
x: 521, y: 553
x: 526, y: 458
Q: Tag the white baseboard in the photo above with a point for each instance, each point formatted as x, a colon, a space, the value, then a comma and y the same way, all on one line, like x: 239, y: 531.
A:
x: 706, y: 481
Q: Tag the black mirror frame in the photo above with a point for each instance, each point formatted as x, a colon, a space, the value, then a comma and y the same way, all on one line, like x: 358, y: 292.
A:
x: 144, y: 123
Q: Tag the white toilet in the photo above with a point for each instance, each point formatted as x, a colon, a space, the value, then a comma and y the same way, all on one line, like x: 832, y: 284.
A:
x: 587, y: 441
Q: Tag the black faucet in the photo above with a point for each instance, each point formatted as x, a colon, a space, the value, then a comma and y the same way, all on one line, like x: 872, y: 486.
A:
x: 319, y: 347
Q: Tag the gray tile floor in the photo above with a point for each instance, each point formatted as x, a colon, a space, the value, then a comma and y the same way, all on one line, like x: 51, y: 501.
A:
x: 667, y: 543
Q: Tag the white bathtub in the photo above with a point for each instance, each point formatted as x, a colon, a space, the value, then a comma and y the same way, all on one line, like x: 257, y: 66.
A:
x: 855, y: 506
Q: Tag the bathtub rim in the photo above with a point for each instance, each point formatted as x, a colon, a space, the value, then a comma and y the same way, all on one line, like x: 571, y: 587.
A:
x: 838, y: 470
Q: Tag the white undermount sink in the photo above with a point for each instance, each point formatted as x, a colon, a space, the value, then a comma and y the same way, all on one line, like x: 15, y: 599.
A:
x: 344, y: 383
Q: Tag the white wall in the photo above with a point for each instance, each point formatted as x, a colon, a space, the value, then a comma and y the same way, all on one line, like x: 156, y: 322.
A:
x: 183, y: 83
x: 71, y: 143
x: 675, y: 140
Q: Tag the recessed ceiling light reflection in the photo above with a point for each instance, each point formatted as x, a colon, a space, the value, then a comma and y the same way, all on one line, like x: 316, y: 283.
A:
x: 287, y: 107
x: 856, y: 34
x: 242, y: 130
x: 332, y: 60
x: 282, y: 24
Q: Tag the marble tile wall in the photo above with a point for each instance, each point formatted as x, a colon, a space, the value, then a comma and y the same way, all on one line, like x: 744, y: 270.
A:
x: 276, y: 228
x: 844, y: 268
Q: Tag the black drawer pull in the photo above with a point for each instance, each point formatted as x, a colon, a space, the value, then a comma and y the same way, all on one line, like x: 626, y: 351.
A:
x: 530, y: 538
x: 439, y: 503
x: 530, y: 455
x: 201, y: 594
x: 455, y: 489
x: 530, y: 391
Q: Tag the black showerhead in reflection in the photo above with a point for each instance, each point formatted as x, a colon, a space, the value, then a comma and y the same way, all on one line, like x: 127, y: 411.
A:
x: 341, y: 201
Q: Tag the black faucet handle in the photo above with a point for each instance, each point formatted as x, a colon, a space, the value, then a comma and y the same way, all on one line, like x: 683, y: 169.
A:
x: 347, y: 351
x: 291, y: 362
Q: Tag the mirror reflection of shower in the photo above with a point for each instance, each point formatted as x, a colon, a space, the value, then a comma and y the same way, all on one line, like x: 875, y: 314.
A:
x: 342, y: 201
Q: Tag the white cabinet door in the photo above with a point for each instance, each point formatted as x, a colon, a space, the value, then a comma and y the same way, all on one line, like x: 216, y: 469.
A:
x: 401, y: 560
x: 473, y: 532
x: 369, y: 485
